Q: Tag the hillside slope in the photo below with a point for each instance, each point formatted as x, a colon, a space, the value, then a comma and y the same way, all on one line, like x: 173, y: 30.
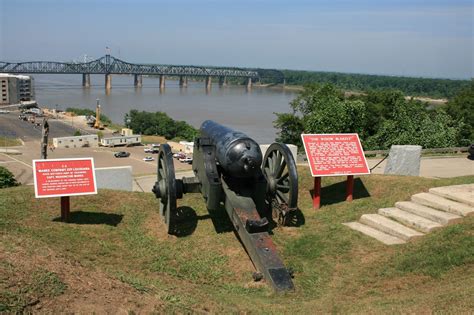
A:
x: 114, y: 256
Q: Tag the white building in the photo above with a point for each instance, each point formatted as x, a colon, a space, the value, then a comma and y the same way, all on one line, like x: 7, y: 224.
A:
x: 121, y: 140
x: 188, y: 147
x: 15, y: 89
x: 76, y: 141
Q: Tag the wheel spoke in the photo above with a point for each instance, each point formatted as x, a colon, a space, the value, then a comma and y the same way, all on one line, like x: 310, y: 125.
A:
x: 277, y: 162
x: 283, y: 187
x: 283, y: 178
x: 282, y: 196
x: 281, y: 169
x: 270, y: 164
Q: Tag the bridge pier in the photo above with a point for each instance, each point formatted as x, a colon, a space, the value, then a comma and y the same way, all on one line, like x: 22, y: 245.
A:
x: 86, y: 80
x: 162, y: 81
x: 183, y: 81
x: 208, y: 82
x: 222, y: 81
x: 137, y: 80
x: 249, y: 83
x: 108, y: 81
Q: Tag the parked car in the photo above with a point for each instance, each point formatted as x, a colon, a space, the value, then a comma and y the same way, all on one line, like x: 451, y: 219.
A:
x: 188, y: 160
x: 122, y: 154
x: 148, y: 158
x: 148, y: 150
x: 179, y: 155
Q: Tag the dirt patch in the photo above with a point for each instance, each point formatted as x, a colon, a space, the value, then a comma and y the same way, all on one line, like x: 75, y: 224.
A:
x: 239, y: 261
x: 289, y: 231
x: 73, y: 287
x: 155, y: 227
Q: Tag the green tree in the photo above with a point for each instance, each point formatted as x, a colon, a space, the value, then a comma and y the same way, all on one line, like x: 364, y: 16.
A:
x: 6, y: 178
x: 381, y: 118
x: 321, y: 109
x: 411, y: 123
x: 461, y: 108
x: 158, y: 123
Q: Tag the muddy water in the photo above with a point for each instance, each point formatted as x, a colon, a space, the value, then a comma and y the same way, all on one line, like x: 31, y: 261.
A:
x: 251, y: 111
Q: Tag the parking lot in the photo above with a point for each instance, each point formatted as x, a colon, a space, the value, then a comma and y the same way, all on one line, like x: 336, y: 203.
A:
x: 21, y: 164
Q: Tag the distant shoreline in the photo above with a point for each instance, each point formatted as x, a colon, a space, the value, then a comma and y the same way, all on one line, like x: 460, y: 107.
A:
x: 298, y: 88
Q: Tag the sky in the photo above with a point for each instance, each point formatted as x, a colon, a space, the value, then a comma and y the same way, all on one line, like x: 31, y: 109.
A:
x: 407, y: 37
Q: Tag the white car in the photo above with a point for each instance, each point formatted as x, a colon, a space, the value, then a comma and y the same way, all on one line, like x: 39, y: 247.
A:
x: 186, y: 160
x: 148, y: 150
x: 148, y: 159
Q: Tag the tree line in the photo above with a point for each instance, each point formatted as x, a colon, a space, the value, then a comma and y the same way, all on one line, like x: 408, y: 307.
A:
x: 159, y: 123
x: 435, y: 88
x: 381, y: 118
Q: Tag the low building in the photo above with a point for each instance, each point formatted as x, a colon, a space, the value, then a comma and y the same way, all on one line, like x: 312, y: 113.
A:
x: 15, y: 89
x: 126, y: 132
x: 188, y: 147
x: 82, y: 141
x: 121, y: 140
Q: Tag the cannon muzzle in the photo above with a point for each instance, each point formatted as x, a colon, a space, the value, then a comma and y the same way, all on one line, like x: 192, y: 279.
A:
x: 237, y: 154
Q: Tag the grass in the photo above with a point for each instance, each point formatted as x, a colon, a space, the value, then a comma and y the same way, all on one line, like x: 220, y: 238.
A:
x: 337, y: 270
x: 39, y: 284
x: 9, y: 142
x: 153, y: 139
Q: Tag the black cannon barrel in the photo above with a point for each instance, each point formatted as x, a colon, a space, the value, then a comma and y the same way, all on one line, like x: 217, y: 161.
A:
x: 238, y: 154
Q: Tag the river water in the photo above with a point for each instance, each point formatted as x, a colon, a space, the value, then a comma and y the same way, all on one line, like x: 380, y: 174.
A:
x: 251, y: 112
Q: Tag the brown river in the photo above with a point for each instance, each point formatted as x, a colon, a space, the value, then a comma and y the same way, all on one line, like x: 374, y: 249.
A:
x: 251, y: 112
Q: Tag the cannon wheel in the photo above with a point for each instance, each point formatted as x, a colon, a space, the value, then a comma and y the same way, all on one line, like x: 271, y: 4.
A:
x: 165, y: 186
x: 279, y: 169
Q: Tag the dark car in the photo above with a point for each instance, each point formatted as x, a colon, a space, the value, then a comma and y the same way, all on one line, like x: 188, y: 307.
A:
x: 122, y: 154
x: 471, y: 151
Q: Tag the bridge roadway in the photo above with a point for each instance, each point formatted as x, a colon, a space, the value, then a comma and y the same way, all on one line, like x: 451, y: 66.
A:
x: 109, y: 65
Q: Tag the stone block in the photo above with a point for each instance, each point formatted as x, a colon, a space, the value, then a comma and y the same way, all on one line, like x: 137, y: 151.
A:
x: 404, y: 160
x: 118, y: 178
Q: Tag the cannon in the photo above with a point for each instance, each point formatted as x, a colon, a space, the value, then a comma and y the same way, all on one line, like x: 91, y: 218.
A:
x: 231, y: 174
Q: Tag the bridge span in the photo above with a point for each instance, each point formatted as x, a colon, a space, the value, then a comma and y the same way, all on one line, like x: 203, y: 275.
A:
x: 109, y: 65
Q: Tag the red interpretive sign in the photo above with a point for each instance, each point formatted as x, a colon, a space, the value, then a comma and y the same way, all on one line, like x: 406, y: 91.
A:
x: 335, y: 154
x: 64, y: 177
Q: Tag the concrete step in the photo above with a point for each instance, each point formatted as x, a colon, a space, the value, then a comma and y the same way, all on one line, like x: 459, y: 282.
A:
x: 409, y: 219
x: 444, y: 204
x: 378, y: 235
x: 442, y: 217
x: 459, y: 193
x: 388, y: 226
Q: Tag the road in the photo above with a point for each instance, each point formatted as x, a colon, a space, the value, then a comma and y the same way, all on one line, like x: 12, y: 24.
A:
x: 11, y: 126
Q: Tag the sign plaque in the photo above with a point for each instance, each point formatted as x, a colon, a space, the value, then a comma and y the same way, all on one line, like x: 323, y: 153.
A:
x: 338, y: 154
x: 64, y: 177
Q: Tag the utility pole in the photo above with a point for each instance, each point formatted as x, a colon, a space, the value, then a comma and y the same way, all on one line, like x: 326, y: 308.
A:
x: 44, y: 140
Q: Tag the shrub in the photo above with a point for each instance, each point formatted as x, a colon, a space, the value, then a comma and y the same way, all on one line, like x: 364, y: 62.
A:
x: 6, y: 178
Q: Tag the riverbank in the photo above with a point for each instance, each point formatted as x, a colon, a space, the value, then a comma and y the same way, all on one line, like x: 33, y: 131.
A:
x: 299, y: 88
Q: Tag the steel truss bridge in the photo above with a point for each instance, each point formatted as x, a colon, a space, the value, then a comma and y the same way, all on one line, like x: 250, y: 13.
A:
x: 110, y: 65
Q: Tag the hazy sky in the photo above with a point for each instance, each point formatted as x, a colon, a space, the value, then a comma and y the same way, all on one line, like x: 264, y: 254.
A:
x: 409, y: 37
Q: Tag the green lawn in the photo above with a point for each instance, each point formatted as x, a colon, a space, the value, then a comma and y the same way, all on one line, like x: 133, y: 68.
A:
x: 119, y: 238
x: 9, y: 142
